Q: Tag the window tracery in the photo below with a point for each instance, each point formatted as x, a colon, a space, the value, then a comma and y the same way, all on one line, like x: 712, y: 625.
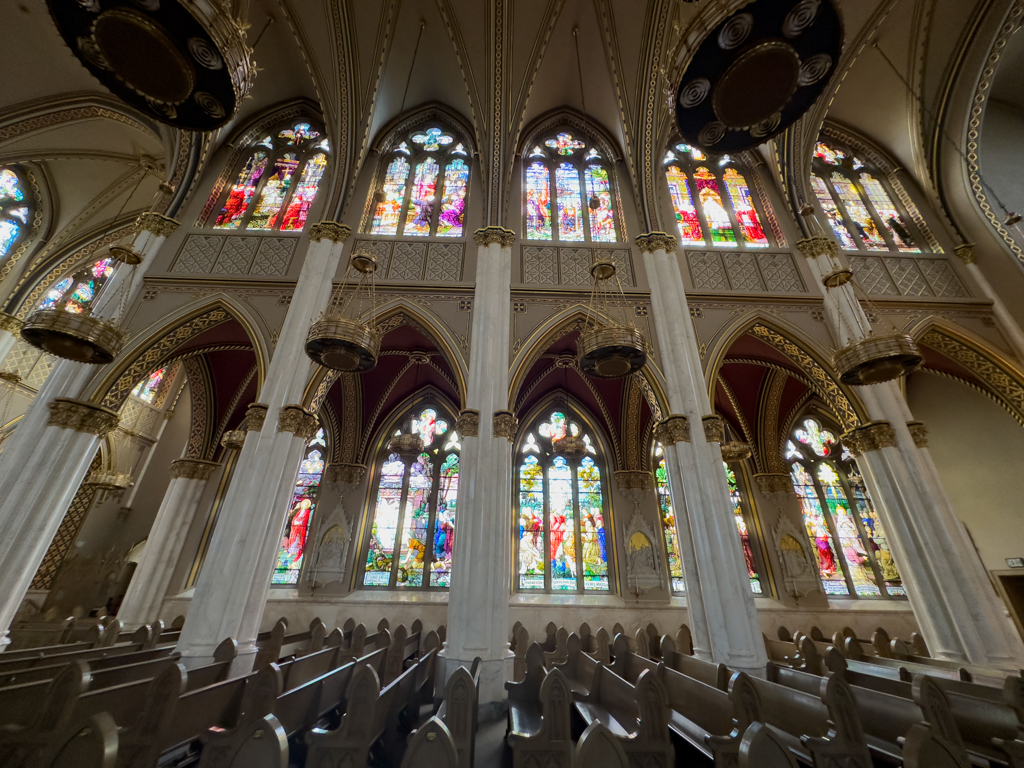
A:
x: 859, y: 207
x: 78, y: 292
x: 277, y: 181
x: 577, y: 205
x: 15, y: 212
x: 846, y: 535
x: 300, y: 512
x: 561, y: 542
x: 434, y: 203
x: 412, y: 531
x: 712, y: 200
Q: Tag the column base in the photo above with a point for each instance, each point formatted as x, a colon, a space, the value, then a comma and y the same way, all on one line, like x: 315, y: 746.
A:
x: 241, y: 665
x: 492, y: 703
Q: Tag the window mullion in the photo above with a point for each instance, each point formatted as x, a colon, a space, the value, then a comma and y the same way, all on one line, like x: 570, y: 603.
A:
x: 585, y: 214
x: 410, y: 182
x: 737, y: 232
x: 428, y: 543
x: 547, y: 527
x: 836, y: 542
x: 435, y: 215
x: 851, y: 225
x: 865, y: 540
x: 396, y: 549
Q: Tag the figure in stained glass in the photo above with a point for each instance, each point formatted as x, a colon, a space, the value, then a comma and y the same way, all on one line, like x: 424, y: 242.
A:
x: 148, y: 388
x: 668, y: 526
x: 76, y: 294
x: 301, y: 508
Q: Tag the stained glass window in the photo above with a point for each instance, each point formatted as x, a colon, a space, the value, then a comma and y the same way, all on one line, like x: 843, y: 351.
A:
x: 562, y: 543
x: 858, y: 213
x: 831, y: 211
x: 719, y: 223
x: 149, y: 387
x: 432, y: 158
x: 76, y: 294
x: 690, y: 231
x: 301, y: 507
x: 887, y: 213
x: 846, y: 535
x: 580, y: 201
x: 743, y: 207
x: 14, y: 210
x: 741, y: 526
x: 668, y: 527
x: 284, y: 192
x: 413, y: 527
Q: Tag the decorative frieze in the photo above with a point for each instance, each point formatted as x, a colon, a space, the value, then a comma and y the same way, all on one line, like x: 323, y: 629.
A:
x: 872, y: 436
x: 82, y: 417
x: 10, y: 323
x: 505, y: 422
x: 234, y: 439
x: 329, y: 230
x: 965, y: 252
x: 490, y: 235
x: 255, y: 415
x: 714, y: 429
x: 774, y: 482
x: 813, y: 247
x: 298, y: 421
x: 656, y: 241
x: 674, y: 429
x: 918, y: 431
x: 346, y: 474
x: 468, y: 423
x: 192, y: 469
x: 157, y: 223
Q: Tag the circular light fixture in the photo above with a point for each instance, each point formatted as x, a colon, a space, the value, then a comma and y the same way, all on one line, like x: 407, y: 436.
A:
x: 406, y: 446
x: 611, y: 352
x: 569, y: 447
x: 877, y: 359
x: 125, y: 254
x: 81, y: 338
x: 343, y: 345
x: 837, y: 277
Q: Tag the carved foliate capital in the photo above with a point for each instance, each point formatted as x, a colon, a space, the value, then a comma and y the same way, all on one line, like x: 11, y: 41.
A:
x: 157, y: 223
x: 774, y: 482
x: 10, y: 323
x: 500, y: 235
x: 234, y: 439
x: 918, y: 431
x: 714, y: 429
x: 347, y: 474
x: 813, y: 247
x: 965, y: 252
x: 82, y: 417
x: 872, y: 436
x: 255, y: 415
x: 298, y: 421
x: 329, y: 230
x: 674, y: 429
x: 468, y: 423
x: 505, y: 425
x: 656, y: 241
x: 193, y: 469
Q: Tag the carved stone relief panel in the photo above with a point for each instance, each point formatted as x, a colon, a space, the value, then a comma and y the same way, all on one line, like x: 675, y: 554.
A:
x: 570, y: 265
x: 235, y: 255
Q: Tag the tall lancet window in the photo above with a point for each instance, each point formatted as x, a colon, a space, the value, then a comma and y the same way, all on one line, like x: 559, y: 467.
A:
x: 567, y: 191
x: 15, y: 212
x: 300, y: 511
x: 422, y: 187
x: 561, y: 534
x: 78, y: 292
x: 712, y: 200
x: 276, y: 181
x: 844, y: 530
x: 858, y: 204
x: 412, y: 531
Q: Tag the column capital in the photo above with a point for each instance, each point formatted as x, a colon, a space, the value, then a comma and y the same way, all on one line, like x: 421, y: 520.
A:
x: 490, y: 235
x: 774, y: 482
x: 82, y: 417
x: 630, y: 481
x: 330, y: 230
x: 965, y: 252
x: 10, y: 323
x: 297, y: 420
x: 656, y: 241
x: 468, y: 423
x: 192, y: 469
x: 255, y: 415
x: 157, y: 223
x: 918, y: 431
x: 714, y: 429
x: 672, y: 430
x: 233, y: 439
x: 347, y: 474
x: 872, y: 436
x: 818, y: 245
x: 505, y: 425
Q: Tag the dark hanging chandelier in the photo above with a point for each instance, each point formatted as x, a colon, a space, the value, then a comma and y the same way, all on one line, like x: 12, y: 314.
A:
x: 339, y: 340
x: 615, y: 348
x: 183, y: 62
x: 757, y: 72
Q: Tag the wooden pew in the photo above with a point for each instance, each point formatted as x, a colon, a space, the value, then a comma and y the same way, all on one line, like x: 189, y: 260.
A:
x: 716, y: 675
x: 599, y: 748
x: 86, y: 654
x: 432, y: 745
x: 538, y: 715
x: 458, y: 712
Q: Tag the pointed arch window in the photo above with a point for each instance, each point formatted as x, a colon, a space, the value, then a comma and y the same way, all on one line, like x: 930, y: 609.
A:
x: 148, y: 389
x: 77, y: 293
x: 412, y: 531
x: 15, y: 211
x: 561, y: 535
x: 276, y: 181
x: 712, y: 200
x: 301, y: 507
x: 567, y: 192
x: 858, y: 205
x: 424, y: 186
x: 846, y: 535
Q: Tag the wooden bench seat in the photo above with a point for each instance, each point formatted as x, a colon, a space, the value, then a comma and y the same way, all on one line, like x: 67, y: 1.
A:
x: 538, y: 715
x: 458, y: 712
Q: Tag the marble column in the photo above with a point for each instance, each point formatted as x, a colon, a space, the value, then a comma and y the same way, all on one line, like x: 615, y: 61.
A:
x: 149, y: 584
x: 478, y: 614
x: 232, y: 589
x: 960, y: 615
x: 1007, y: 324
x: 61, y: 433
x: 720, y: 605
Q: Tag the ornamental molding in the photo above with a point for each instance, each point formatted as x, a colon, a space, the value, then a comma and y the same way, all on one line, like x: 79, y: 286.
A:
x: 82, y: 417
x: 468, y: 423
x: 192, y: 469
x: 345, y: 473
x: 813, y: 247
x: 674, y: 429
x: 965, y: 252
x: 918, y: 431
x: 233, y: 439
x: 714, y: 429
x: 643, y: 558
x: 774, y: 482
x: 491, y: 235
x: 505, y: 423
x: 10, y: 323
x: 298, y: 421
x: 872, y: 436
x: 255, y: 415
x: 157, y: 223
x: 330, y: 230
x: 634, y: 480
x: 656, y: 241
